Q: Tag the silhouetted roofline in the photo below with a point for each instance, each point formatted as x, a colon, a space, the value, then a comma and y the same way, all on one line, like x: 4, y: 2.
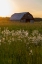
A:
x: 18, y: 16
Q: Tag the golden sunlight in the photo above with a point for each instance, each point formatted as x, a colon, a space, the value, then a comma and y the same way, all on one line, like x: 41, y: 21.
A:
x: 5, y: 8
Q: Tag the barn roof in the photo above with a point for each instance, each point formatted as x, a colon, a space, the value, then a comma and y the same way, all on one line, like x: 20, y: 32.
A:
x: 18, y: 16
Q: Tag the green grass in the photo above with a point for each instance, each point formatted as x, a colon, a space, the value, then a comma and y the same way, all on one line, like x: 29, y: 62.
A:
x: 17, y: 52
x: 19, y: 25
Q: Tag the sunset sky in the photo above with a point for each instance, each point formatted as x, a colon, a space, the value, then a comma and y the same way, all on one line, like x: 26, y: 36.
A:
x: 8, y: 7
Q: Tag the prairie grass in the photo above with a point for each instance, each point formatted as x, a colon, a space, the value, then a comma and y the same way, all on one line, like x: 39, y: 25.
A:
x: 18, y: 25
x: 20, y: 43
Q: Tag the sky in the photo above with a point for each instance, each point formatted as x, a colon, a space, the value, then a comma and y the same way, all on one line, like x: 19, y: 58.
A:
x: 9, y: 7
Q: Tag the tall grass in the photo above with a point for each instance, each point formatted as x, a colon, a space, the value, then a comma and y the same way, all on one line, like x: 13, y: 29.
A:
x: 20, y: 43
x: 18, y: 25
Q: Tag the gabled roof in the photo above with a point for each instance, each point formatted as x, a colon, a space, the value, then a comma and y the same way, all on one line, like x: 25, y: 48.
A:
x: 18, y: 16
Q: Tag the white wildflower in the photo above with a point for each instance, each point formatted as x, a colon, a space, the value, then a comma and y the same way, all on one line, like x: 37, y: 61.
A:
x: 12, y: 39
x: 13, y: 34
x: 35, y: 32
x: 26, y: 33
x: 31, y: 51
x: 3, y: 39
x: 39, y: 37
x: 12, y: 31
x: 34, y: 38
x: 30, y: 38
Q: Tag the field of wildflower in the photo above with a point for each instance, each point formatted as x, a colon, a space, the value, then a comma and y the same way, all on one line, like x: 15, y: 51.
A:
x: 21, y: 43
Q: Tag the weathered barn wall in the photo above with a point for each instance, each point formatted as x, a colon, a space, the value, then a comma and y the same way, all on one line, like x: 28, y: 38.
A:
x: 22, y: 17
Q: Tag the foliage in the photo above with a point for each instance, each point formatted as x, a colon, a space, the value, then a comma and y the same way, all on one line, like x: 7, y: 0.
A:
x: 20, y: 43
x: 20, y: 46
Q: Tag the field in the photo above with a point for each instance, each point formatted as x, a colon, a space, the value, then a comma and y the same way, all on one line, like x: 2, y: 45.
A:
x: 20, y: 43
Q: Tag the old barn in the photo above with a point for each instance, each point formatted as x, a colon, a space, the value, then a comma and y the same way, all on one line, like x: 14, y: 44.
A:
x: 23, y: 17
